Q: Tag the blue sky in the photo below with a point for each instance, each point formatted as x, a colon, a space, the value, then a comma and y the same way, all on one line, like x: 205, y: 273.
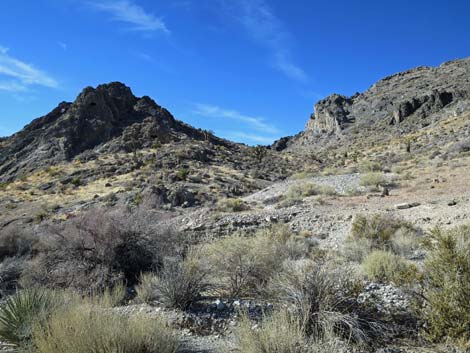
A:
x: 251, y: 70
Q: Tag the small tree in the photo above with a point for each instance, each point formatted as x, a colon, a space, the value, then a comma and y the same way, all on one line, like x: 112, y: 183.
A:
x: 259, y: 153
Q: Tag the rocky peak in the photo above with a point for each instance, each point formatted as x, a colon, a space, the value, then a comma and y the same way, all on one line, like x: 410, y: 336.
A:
x: 108, y: 115
x: 413, y: 96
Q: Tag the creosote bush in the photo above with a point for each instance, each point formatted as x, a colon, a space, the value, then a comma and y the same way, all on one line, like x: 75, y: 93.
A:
x: 299, y: 191
x: 241, y: 266
x: 232, y: 205
x: 383, y: 266
x: 380, y: 232
x: 447, y: 286
x: 374, y: 179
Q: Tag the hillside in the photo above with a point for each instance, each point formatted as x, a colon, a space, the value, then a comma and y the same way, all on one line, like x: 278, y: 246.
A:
x: 351, y: 236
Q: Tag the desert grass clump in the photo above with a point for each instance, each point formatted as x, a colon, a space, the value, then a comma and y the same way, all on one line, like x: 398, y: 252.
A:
x: 180, y: 283
x: 325, y: 295
x: 385, y: 267
x: 447, y: 286
x: 146, y: 292
x: 83, y: 328
x: 281, y: 332
x: 20, y: 313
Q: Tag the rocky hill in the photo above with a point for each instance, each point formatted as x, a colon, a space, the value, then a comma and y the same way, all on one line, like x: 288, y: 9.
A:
x: 369, y: 206
x: 109, y: 116
x: 398, y: 104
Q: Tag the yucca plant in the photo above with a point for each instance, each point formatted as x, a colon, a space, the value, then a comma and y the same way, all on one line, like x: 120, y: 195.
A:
x: 22, y: 311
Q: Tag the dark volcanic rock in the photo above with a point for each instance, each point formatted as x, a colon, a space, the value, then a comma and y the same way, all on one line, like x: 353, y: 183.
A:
x: 109, y: 116
x: 411, y: 96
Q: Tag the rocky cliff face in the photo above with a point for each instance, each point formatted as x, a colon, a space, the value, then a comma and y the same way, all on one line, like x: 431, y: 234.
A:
x: 108, y: 117
x: 409, y: 98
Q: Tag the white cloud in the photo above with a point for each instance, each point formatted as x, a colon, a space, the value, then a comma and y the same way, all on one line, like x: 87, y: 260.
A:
x: 16, y: 75
x: 128, y: 12
x: 257, y: 123
x: 251, y: 138
x: 265, y: 27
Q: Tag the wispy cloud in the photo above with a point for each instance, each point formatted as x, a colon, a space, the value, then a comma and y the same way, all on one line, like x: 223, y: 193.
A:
x: 62, y: 45
x: 134, y: 15
x: 250, y: 138
x: 259, y: 20
x: 253, y: 122
x: 17, y: 75
x: 143, y: 56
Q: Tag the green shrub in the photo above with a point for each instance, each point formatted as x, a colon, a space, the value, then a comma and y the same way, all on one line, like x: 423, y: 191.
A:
x: 77, y: 182
x: 300, y: 175
x: 374, y: 179
x: 369, y: 166
x: 379, y: 230
x: 232, y: 205
x: 21, y: 312
x: 183, y: 174
x: 447, y: 286
x: 84, y: 329
x: 241, y: 266
x: 299, y: 191
x: 383, y: 266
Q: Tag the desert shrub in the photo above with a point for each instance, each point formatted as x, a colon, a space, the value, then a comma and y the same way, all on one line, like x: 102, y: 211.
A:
x: 10, y: 272
x: 281, y: 332
x: 405, y: 241
x: 374, y: 179
x: 447, y: 286
x: 366, y: 166
x: 82, y: 328
x: 145, y: 290
x: 98, y: 250
x: 232, y: 205
x: 240, y: 265
x: 383, y: 266
x: 300, y: 175
x: 325, y: 295
x: 15, y: 242
x: 180, y: 283
x: 21, y: 312
x: 380, y: 230
x: 299, y: 191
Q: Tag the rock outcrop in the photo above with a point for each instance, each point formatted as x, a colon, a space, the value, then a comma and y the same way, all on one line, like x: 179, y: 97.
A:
x: 108, y: 118
x: 414, y: 96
